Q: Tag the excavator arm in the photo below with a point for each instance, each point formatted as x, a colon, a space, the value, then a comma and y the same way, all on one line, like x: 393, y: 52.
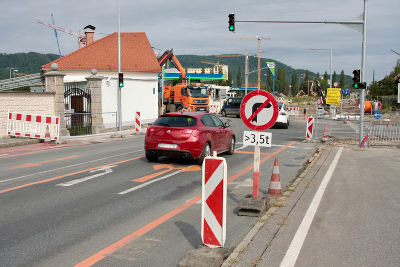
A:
x: 169, y: 55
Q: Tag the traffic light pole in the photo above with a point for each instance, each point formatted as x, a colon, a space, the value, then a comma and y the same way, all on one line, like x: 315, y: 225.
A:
x: 364, y: 44
x: 362, y: 95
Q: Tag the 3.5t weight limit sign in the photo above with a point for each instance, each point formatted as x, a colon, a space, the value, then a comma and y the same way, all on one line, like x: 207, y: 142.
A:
x: 253, y: 138
x: 259, y: 110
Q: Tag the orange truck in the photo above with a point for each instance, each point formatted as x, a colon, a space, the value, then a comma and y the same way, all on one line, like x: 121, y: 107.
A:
x: 192, y: 97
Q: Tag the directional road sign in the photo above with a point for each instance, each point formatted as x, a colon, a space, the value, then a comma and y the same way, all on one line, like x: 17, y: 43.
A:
x: 259, y: 110
x: 377, y: 114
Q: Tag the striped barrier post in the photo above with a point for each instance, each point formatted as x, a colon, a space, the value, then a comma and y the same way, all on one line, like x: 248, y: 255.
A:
x: 213, y: 204
x: 33, y: 126
x: 310, y: 127
x: 138, y: 126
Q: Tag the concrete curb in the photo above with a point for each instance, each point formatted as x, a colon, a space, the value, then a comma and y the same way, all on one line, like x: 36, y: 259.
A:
x: 21, y: 142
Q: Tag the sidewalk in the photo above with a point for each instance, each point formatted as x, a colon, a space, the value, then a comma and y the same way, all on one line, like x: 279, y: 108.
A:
x: 356, y: 222
x: 12, y: 142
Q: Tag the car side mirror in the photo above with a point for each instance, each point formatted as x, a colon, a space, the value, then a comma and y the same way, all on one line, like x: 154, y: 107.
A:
x: 226, y: 124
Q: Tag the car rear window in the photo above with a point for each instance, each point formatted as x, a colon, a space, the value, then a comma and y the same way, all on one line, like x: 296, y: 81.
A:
x: 176, y: 121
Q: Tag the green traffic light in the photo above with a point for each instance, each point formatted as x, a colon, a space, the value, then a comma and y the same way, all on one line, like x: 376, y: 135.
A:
x: 355, y: 86
x: 231, y: 28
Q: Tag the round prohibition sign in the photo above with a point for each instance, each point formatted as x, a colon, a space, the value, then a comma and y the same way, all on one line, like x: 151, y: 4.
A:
x: 259, y: 110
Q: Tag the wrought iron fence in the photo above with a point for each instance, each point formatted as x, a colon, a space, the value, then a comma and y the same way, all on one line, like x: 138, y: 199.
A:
x: 78, y: 123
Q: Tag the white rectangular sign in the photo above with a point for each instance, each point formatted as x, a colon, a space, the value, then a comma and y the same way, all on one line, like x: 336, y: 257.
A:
x: 253, y: 138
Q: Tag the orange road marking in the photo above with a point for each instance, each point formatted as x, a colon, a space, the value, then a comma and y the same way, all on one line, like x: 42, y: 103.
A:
x: 249, y: 152
x: 27, y: 165
x: 169, y: 167
x: 65, y: 175
x: 150, y: 226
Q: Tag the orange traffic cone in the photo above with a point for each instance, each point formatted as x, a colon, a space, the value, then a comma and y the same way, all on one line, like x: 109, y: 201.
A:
x: 47, y: 138
x: 275, y: 184
x: 325, y: 133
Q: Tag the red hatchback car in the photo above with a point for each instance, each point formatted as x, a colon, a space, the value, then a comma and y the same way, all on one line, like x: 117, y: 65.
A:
x: 188, y: 135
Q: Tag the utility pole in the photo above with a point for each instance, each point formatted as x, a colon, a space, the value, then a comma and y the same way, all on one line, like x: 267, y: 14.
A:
x: 258, y: 38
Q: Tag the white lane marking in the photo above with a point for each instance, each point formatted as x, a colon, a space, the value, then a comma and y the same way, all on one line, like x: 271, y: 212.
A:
x: 293, y: 251
x: 150, y: 182
x: 107, y: 170
x: 240, y: 148
x: 3, y: 155
x: 73, y: 165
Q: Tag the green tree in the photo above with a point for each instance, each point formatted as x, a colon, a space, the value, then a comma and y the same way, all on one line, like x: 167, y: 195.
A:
x: 293, y: 82
x: 281, y: 81
x: 342, y: 81
x: 269, y: 82
x: 229, y: 82
x: 239, y: 77
x: 326, y: 78
x: 334, y: 78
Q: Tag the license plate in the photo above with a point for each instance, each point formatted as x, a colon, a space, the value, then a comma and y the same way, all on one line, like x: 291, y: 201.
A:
x: 161, y: 145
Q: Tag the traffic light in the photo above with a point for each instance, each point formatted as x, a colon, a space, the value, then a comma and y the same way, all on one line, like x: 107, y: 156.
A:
x: 120, y: 79
x: 356, y: 79
x: 362, y: 85
x: 231, y: 22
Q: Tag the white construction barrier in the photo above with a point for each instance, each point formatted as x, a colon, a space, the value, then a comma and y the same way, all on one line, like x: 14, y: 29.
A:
x: 33, y: 126
x: 293, y: 111
x: 213, y: 109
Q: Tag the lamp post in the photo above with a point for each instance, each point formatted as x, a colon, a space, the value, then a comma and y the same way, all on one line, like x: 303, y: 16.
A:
x: 330, y: 78
x: 12, y: 70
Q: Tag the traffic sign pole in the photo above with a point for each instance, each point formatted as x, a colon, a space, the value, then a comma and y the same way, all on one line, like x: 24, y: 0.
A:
x: 256, y: 173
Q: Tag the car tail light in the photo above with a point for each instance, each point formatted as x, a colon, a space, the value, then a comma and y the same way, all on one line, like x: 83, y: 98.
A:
x: 151, y: 130
x: 187, y: 133
x: 195, y: 133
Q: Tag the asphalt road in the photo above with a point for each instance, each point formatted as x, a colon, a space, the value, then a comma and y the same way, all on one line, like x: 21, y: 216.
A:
x: 102, y: 203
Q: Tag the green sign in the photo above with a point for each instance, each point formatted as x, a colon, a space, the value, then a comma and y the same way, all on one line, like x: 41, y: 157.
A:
x: 271, y: 66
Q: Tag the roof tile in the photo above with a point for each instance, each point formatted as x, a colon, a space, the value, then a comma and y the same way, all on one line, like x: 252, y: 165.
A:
x: 136, y: 55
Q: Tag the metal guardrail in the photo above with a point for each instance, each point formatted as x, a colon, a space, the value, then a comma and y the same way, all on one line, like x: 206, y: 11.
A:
x: 384, y: 134
x: 27, y: 80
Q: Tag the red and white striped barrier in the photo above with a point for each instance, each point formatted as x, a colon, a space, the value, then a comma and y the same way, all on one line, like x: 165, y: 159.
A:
x: 213, y: 108
x: 138, y: 122
x: 213, y: 204
x: 310, y: 127
x: 293, y: 111
x: 33, y: 126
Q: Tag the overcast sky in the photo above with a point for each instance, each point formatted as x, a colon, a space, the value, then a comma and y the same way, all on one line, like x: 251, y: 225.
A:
x: 201, y: 28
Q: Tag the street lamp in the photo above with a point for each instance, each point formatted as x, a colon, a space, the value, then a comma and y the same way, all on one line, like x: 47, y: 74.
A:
x: 12, y: 70
x: 330, y: 78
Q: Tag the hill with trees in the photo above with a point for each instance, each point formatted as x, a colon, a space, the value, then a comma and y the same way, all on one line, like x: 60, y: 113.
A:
x: 27, y: 63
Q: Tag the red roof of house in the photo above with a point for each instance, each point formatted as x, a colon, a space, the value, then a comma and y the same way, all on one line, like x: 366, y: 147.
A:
x: 136, y: 55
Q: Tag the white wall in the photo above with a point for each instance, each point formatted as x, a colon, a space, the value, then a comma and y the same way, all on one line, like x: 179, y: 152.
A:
x: 136, y: 95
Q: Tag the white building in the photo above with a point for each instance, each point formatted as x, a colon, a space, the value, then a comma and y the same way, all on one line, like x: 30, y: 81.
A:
x: 139, y: 66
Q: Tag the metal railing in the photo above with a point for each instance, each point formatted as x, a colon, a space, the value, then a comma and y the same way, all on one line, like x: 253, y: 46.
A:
x: 384, y: 134
x: 81, y: 123
x: 27, y: 80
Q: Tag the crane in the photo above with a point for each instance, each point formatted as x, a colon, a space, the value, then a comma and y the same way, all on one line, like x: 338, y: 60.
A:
x: 81, y: 39
x: 258, y: 38
x: 246, y: 76
x: 216, y: 64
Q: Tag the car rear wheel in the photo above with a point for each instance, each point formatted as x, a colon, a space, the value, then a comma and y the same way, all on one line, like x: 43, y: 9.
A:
x: 231, y: 146
x: 223, y: 113
x: 206, y: 152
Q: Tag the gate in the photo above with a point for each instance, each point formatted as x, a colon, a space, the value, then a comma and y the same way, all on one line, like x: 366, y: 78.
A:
x: 77, y: 101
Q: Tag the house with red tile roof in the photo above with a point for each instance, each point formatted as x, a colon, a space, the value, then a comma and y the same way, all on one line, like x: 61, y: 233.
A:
x: 138, y: 64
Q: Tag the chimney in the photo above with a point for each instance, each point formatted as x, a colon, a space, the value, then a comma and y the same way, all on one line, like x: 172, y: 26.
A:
x: 89, y: 34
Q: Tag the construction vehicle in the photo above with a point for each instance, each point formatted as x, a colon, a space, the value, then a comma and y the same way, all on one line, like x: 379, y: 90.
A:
x: 183, y: 96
